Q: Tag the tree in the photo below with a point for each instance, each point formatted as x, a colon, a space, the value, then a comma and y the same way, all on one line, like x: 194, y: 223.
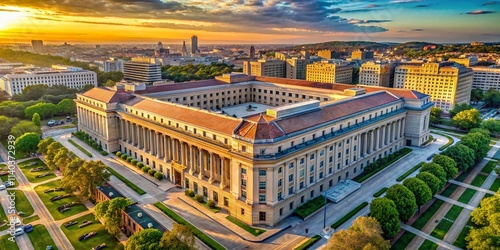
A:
x: 385, y: 212
x: 36, y: 119
x: 147, y: 239
x: 51, y: 152
x: 3, y: 96
x: 63, y: 158
x: 491, y: 125
x: 432, y: 182
x: 180, y: 237
x: 489, y: 206
x: 467, y: 119
x: 84, y: 178
x: 44, y: 144
x: 435, y: 116
x: 492, y: 98
x: 435, y: 170
x: 404, y: 199
x: 45, y: 110
x: 486, y: 237
x: 6, y: 125
x: 110, y: 211
x: 364, y: 233
x: 462, y: 155
x: 24, y: 127
x: 419, y: 188
x: 87, y: 87
x: 110, y: 83
x: 27, y: 142
x: 66, y: 106
x: 476, y: 95
x: 478, y: 142
x: 458, y: 108
x: 448, y: 164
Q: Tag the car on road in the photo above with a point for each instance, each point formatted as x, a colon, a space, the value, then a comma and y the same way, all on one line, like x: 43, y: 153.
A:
x: 28, y: 228
x: 18, y: 231
x: 68, y: 119
x: 51, y: 123
x: 9, y: 184
x: 61, y: 122
x: 2, y: 187
x: 4, y: 173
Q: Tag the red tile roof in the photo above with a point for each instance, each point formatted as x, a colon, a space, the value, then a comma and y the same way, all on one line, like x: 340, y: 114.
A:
x: 262, y: 129
x: 106, y: 95
x: 180, y: 86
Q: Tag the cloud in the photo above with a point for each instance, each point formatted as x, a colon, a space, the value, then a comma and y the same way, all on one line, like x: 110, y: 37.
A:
x: 358, y: 21
x: 480, y: 12
x: 405, y: 1
x: 489, y: 3
x: 372, y: 6
x: 422, y: 6
x: 418, y: 30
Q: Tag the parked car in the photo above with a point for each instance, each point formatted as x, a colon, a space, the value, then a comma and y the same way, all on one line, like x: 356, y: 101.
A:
x: 51, y: 123
x: 61, y: 122
x: 49, y: 247
x: 28, y: 228
x: 2, y: 187
x: 9, y: 184
x: 70, y: 223
x: 103, y: 245
x: 18, y: 231
x: 4, y: 173
x: 68, y: 119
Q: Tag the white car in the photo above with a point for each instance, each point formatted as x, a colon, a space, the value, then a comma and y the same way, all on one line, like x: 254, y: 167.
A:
x: 9, y: 184
x: 2, y: 187
x: 19, y: 231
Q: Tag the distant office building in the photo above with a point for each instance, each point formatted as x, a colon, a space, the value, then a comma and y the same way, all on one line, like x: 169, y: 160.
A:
x: 71, y: 77
x: 112, y: 65
x: 37, y: 46
x: 194, y: 45
x: 252, y: 52
x: 305, y: 53
x: 486, y: 78
x: 281, y: 56
x: 328, y: 54
x: 476, y: 43
x: 467, y: 61
x: 142, y: 71
x: 375, y: 74
x: 362, y: 54
x: 296, y: 68
x: 447, y: 83
x: 184, y: 49
x: 273, y: 68
x: 328, y: 72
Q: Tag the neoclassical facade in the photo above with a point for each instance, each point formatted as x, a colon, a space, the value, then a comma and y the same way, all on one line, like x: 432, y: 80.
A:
x: 258, y: 146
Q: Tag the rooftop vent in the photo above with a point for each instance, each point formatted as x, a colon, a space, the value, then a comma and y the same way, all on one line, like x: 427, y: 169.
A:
x: 139, y: 215
x: 292, y: 109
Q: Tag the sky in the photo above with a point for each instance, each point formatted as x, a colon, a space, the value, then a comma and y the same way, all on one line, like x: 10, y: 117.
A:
x: 248, y: 21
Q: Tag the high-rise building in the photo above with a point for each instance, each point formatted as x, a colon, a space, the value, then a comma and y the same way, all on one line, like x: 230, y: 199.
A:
x: 142, y: 71
x: 305, y: 53
x: 362, y: 54
x: 194, y: 45
x: 184, y: 49
x: 252, y: 52
x: 466, y: 61
x: 447, y: 83
x: 37, y: 46
x: 375, y: 74
x: 159, y: 46
x: 273, y: 68
x: 486, y: 78
x: 328, y: 72
x: 296, y: 68
x: 112, y: 65
x: 328, y: 54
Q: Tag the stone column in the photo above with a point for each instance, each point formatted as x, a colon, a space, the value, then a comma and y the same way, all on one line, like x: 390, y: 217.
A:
x: 152, y: 143
x: 200, y: 159
x: 212, y: 167
x: 223, y: 173
x: 191, y: 159
x: 374, y: 143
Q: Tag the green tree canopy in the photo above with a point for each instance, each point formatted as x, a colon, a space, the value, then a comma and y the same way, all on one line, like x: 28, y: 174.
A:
x: 432, y: 181
x: 24, y: 127
x: 478, y: 142
x: 467, y: 119
x: 459, y: 107
x: 462, y: 155
x: 110, y: 83
x: 43, y: 145
x: 63, y: 158
x: 476, y: 95
x: 364, y: 233
x: 385, y: 212
x: 51, y: 152
x: 487, y: 216
x: 45, y: 110
x: 179, y: 238
x: 436, y: 170
x: 492, y: 98
x: 492, y: 125
x: 404, y: 199
x: 489, y: 206
x: 147, y: 239
x: 448, y: 164
x: 84, y: 178
x: 110, y: 211
x: 27, y: 142
x: 6, y: 125
x: 435, y: 116
x: 36, y: 119
x: 419, y: 188
x: 67, y: 107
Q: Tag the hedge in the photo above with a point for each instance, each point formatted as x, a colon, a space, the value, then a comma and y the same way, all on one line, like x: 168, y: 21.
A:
x: 145, y: 169
x: 80, y: 148
x: 310, y: 207
x: 349, y: 215
x: 159, y: 176
x: 380, y: 164
x: 126, y: 181
x: 380, y: 192
x: 118, y: 154
x: 409, y: 172
x: 306, y: 245
x: 152, y: 172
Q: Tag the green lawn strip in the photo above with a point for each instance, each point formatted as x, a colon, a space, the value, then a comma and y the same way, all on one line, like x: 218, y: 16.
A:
x: 349, y: 215
x: 450, y: 141
x: 485, y: 196
x: 80, y: 147
x: 380, y: 192
x: 310, y: 207
x: 6, y: 178
x: 18, y: 155
x: 489, y: 167
x: 478, y: 181
x: 428, y: 245
x: 31, y: 176
x: 409, y: 172
x: 73, y: 232
x: 308, y: 243
x: 427, y: 215
x: 403, y: 241
x: 3, y: 216
x: 467, y: 195
x: 31, y: 219
x: 205, y: 204
x: 252, y: 230
x: 460, y: 241
x: 367, y: 174
x: 40, y: 238
x: 126, y: 181
x: 22, y: 203
x: 463, y: 176
x: 495, y: 185
x: 447, y: 130
x: 449, y: 190
x: 447, y: 222
x: 196, y: 232
x: 6, y: 244
x: 52, y: 206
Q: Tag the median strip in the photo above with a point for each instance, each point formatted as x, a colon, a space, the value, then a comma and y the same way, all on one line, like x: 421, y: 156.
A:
x: 127, y: 182
x: 80, y: 147
x: 349, y: 215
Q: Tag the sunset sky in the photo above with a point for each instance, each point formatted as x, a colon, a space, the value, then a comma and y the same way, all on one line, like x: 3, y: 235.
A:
x: 248, y: 21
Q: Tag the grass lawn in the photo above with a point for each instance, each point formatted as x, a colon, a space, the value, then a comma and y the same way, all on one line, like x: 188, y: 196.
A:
x: 52, y: 206
x: 485, y: 196
x: 308, y: 243
x: 428, y: 245
x: 489, y: 167
x: 380, y: 192
x: 73, y: 232
x: 409, y: 172
x: 463, y: 176
x: 449, y: 190
x: 403, y: 241
x: 204, y: 204
x: 40, y: 238
x: 466, y: 195
x: 22, y: 204
x: 127, y: 182
x: 18, y: 154
x: 349, y: 215
x: 495, y: 186
x: 252, y: 230
x: 80, y: 148
x: 310, y: 207
x: 5, y: 243
x: 460, y: 241
x: 6, y: 178
x: 31, y: 219
x: 427, y: 215
x: 31, y: 176
x: 3, y: 219
x: 478, y: 181
x: 447, y: 222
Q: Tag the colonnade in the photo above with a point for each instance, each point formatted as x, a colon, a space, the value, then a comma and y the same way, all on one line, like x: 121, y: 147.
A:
x: 377, y: 138
x: 92, y: 120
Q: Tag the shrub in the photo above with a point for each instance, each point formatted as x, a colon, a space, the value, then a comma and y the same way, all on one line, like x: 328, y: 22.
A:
x: 159, y: 176
x: 189, y: 192
x: 145, y: 169
x: 124, y: 156
x: 119, y: 154
x: 152, y: 172
x: 129, y: 159
x: 134, y: 162
x: 140, y: 165
x: 211, y: 204
x: 94, y: 144
x: 104, y: 153
x: 199, y: 198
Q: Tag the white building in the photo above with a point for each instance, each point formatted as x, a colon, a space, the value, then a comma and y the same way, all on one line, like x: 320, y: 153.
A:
x: 486, y: 78
x: 375, y: 74
x: 112, y: 65
x: 71, y: 77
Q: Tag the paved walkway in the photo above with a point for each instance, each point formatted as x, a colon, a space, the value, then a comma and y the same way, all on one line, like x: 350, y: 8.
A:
x: 454, y: 202
x: 484, y: 190
x: 428, y: 237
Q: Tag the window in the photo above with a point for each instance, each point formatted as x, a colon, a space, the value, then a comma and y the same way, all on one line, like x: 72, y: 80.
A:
x: 244, y: 171
x: 281, y: 211
x: 279, y: 149
x: 302, y: 199
x: 311, y: 157
x: 242, y: 211
x: 290, y: 190
x: 290, y: 165
x: 280, y: 169
x: 311, y: 179
x: 262, y: 185
x: 322, y: 153
x: 302, y: 161
x: 243, y: 183
x: 301, y: 172
x: 262, y: 172
x: 262, y: 216
x: 291, y: 205
x: 279, y: 183
x: 290, y: 178
x: 262, y: 197
x: 312, y: 193
x: 244, y: 194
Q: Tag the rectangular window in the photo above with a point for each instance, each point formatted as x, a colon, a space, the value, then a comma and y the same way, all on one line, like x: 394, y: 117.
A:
x: 290, y: 178
x: 262, y: 172
x: 242, y: 211
x: 290, y: 165
x: 290, y: 190
x: 279, y: 183
x: 244, y: 171
x: 262, y: 216
x: 262, y: 185
x: 262, y: 197
x: 301, y: 172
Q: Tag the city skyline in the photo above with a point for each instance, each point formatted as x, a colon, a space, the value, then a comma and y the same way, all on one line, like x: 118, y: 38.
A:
x: 123, y: 21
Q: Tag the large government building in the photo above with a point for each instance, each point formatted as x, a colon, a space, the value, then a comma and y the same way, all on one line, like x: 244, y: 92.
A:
x: 258, y: 146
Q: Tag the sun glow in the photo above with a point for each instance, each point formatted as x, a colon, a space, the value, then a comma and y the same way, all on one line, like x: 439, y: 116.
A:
x: 9, y: 18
